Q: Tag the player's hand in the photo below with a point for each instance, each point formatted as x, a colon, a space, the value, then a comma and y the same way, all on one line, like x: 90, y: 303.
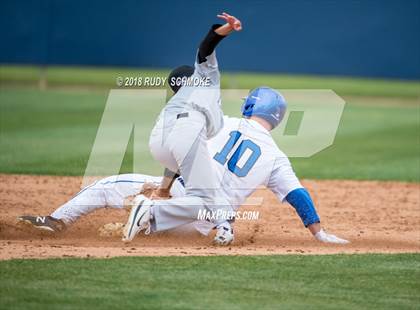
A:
x: 154, y: 192
x: 329, y: 238
x: 148, y: 189
x: 234, y: 23
x: 159, y: 194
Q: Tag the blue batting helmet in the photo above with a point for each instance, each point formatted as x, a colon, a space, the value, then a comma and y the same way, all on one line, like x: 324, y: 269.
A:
x: 266, y: 103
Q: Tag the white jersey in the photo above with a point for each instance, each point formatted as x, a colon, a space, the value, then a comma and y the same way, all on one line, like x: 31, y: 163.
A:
x: 246, y: 157
x: 204, y: 97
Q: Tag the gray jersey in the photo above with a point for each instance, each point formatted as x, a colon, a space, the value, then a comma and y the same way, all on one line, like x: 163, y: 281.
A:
x: 204, y: 97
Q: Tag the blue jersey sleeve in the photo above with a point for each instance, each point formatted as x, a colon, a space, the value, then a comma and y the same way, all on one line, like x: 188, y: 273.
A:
x: 302, y: 202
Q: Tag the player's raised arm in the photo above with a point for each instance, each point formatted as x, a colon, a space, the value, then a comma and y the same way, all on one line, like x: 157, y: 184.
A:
x: 205, y: 66
x: 216, y: 34
x: 206, y: 62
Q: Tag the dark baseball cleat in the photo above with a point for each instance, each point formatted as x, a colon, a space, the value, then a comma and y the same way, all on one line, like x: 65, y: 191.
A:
x: 45, y: 223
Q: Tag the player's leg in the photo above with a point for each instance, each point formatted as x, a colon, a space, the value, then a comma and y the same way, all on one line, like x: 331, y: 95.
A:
x: 170, y: 141
x: 158, y: 141
x: 180, y: 144
x: 187, y: 144
x: 87, y: 200
x: 196, y: 165
x: 108, y: 192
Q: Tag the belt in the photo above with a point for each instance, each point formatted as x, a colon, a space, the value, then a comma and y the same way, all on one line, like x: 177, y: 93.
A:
x: 182, y: 115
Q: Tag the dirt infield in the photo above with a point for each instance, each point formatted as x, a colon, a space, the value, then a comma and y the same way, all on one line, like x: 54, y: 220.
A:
x: 377, y: 217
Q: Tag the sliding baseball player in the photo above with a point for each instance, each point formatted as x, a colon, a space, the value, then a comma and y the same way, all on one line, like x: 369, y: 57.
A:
x: 243, y: 155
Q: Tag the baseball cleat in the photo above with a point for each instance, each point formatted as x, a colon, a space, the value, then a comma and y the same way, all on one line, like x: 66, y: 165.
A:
x: 45, y: 223
x: 139, y: 218
x: 224, y: 235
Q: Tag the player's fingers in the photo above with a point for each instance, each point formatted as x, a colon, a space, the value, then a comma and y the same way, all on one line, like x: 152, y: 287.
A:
x: 335, y: 239
x: 237, y: 26
x: 222, y: 17
x: 342, y: 241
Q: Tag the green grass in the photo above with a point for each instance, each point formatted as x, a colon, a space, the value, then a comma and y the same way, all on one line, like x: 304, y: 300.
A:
x: 52, y: 132
x: 106, y: 77
x: 247, y: 282
x: 372, y: 143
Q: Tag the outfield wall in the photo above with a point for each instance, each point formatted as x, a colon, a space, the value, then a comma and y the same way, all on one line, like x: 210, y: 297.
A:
x: 370, y: 38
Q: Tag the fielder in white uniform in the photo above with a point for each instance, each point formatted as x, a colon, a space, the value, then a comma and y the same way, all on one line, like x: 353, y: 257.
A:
x: 179, y: 138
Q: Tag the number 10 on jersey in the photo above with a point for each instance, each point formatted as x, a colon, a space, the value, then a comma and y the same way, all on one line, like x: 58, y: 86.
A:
x: 221, y: 157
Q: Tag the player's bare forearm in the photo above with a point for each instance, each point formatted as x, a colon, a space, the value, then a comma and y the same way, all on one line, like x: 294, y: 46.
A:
x: 164, y: 188
x: 163, y: 191
x: 165, y: 183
